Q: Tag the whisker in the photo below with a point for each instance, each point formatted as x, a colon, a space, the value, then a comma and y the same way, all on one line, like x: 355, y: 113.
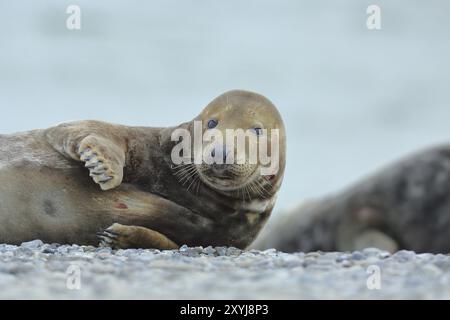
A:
x: 263, y: 187
x: 260, y: 189
x: 188, y: 178
x: 198, y: 184
x: 193, y: 180
x: 181, y: 171
x: 186, y: 174
x: 255, y: 189
x: 185, y: 171
x: 248, y: 192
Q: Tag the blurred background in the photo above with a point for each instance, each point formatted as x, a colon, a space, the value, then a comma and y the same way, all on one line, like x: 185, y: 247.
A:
x: 352, y: 99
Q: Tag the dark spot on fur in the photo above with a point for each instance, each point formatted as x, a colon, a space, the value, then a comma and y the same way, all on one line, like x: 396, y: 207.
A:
x: 49, y: 208
x: 121, y: 205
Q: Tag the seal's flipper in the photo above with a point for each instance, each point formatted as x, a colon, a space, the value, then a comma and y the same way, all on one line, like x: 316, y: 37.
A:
x: 104, y: 159
x: 119, y: 236
x: 92, y: 142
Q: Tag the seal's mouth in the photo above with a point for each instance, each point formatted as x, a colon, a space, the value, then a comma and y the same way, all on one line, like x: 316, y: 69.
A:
x: 227, y: 177
x: 222, y: 171
x: 241, y: 181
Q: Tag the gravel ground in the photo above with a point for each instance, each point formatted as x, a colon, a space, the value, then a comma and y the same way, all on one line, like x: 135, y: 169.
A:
x: 39, y: 271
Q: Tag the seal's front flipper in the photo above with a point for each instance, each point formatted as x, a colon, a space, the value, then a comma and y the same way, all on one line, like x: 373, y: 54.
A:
x: 119, y: 236
x: 104, y: 160
x: 100, y: 145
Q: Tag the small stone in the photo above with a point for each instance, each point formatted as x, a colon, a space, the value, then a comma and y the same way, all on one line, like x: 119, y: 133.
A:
x: 197, y: 249
x: 75, y: 248
x: 103, y: 249
x: 24, y: 252
x: 191, y: 252
x: 270, y: 252
x: 89, y: 248
x: 32, y: 244
x: 126, y: 252
x: 48, y: 249
x: 384, y: 255
x: 145, y: 257
x: 312, y: 255
x: 120, y: 252
x: 371, y: 251
x: 328, y: 256
x: 232, y: 251
x: 209, y: 251
x: 357, y: 256
x: 103, y: 255
x: 347, y: 263
x: 308, y: 262
x: 425, y: 256
x: 343, y: 257
x: 404, y: 255
x: 62, y: 250
x: 104, y: 252
x: 183, y: 248
x: 221, y: 251
x: 7, y: 247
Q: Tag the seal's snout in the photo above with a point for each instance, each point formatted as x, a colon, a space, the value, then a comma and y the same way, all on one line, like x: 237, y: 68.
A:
x: 221, y: 148
x: 224, y: 170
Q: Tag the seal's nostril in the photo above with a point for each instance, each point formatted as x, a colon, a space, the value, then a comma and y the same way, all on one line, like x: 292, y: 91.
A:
x: 224, y: 154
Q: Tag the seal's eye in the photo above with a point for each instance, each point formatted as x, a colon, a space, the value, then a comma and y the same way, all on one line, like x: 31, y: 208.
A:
x: 212, y: 123
x: 258, y: 131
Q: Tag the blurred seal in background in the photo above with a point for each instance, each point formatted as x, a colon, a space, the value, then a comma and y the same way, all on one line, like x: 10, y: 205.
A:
x: 404, y: 206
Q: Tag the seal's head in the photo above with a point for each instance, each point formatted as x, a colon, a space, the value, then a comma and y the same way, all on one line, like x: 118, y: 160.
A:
x: 243, y: 144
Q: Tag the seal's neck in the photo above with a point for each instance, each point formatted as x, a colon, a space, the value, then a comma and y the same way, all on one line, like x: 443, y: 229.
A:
x: 142, y: 147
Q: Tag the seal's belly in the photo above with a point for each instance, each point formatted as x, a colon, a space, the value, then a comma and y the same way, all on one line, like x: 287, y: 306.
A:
x: 64, y: 205
x: 39, y: 189
x: 38, y: 203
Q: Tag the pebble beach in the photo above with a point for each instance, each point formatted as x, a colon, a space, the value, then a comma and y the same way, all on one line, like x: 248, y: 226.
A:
x: 35, y: 270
